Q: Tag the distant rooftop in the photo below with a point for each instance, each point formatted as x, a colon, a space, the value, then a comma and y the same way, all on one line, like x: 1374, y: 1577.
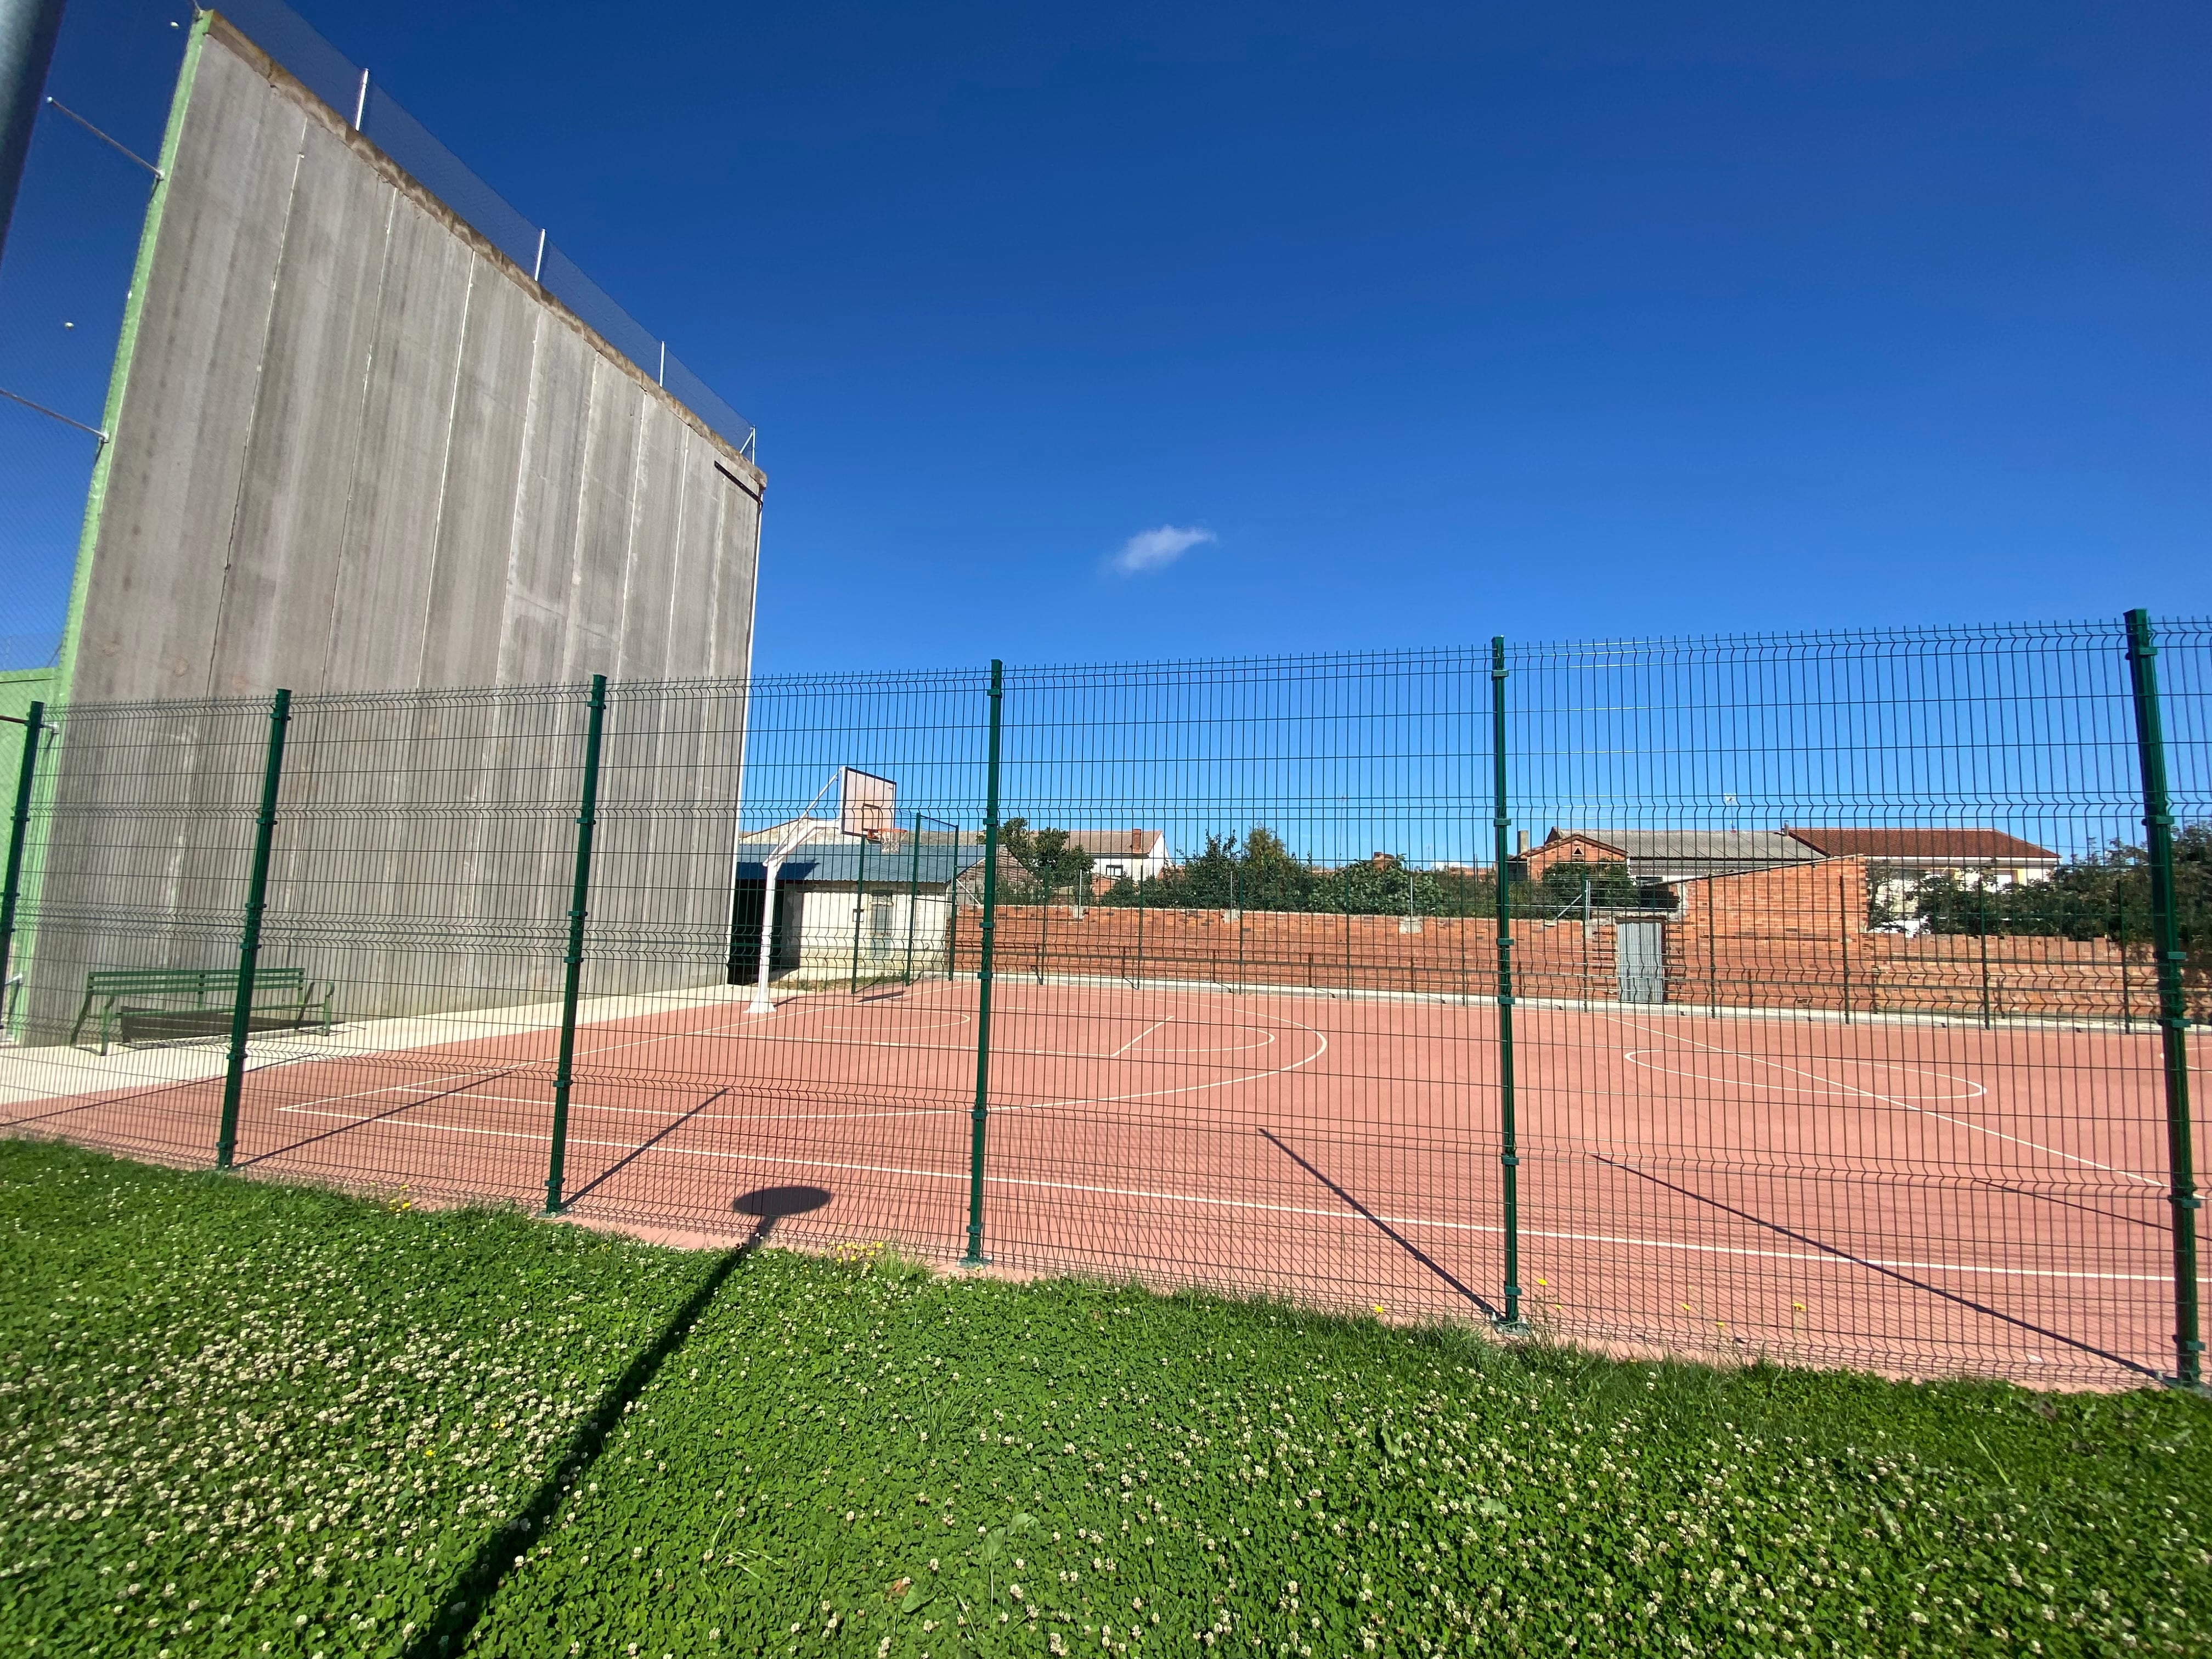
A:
x: 1944, y: 847
x: 1685, y: 855
x: 930, y: 863
x: 1115, y: 843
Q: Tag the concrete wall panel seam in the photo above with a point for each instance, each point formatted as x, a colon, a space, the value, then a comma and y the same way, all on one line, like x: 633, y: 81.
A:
x: 361, y: 439
x: 680, y: 572
x: 206, y: 687
x: 532, y: 417
x: 291, y: 523
x: 421, y: 625
x: 620, y: 667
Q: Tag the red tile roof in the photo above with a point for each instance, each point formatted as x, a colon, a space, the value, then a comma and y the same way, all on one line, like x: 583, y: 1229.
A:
x: 1975, y: 846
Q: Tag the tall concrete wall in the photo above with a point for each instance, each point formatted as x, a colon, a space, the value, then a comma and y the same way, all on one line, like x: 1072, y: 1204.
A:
x: 357, y: 448
x: 359, y: 454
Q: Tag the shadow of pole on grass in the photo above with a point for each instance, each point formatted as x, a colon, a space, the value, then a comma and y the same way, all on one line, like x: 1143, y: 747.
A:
x: 472, y: 1593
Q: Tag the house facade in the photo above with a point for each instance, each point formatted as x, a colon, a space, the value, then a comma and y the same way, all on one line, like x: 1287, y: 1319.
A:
x: 848, y: 906
x: 1121, y: 855
x: 1897, y: 859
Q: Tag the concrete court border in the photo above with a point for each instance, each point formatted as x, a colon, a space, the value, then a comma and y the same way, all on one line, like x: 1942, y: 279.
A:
x: 30, y: 1075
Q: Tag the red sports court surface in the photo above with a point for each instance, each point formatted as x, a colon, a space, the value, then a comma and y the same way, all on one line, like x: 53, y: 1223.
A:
x: 1910, y: 1197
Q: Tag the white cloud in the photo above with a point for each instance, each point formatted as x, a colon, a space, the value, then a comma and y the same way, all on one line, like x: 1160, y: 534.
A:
x: 1155, y: 549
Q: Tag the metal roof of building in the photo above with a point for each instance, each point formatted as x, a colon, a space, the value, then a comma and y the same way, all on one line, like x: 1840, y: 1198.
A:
x: 1685, y: 855
x: 936, y: 862
x: 1972, y: 848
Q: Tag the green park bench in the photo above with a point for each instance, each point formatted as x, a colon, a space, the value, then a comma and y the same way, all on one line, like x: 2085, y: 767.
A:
x: 284, y: 999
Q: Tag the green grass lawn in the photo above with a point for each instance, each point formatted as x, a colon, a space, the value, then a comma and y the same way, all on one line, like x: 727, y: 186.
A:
x: 242, y: 1419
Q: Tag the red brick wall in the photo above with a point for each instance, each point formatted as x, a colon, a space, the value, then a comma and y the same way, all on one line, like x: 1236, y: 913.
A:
x: 1792, y: 938
x: 1538, y: 859
x: 1769, y: 939
x: 1448, y: 956
x: 1795, y: 938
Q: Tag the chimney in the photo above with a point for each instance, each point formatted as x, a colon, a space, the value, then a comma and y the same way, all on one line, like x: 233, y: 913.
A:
x: 1137, y: 843
x: 1522, y: 849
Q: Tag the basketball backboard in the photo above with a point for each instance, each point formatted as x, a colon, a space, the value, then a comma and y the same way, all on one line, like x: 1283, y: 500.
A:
x: 866, y: 803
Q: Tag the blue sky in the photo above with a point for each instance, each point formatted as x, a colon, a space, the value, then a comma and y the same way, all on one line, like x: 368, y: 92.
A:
x: 1410, y: 324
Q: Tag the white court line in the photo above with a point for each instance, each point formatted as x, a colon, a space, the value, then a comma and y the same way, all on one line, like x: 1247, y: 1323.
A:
x: 544, y: 1103
x: 1420, y: 1221
x: 1972, y: 1089
x: 1001, y: 1050
x: 1886, y: 1100
x: 1185, y: 1089
x: 793, y: 1005
x: 747, y: 1022
x: 1266, y: 1038
x: 425, y: 1090
x: 1097, y: 1100
x: 952, y: 1023
x: 1810, y: 1258
x: 1022, y: 1106
x: 1141, y: 1035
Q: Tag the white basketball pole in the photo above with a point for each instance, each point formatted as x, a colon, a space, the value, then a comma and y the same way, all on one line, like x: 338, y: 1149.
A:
x: 801, y: 833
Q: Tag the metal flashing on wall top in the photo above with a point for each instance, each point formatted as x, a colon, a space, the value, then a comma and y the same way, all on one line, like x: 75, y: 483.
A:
x: 362, y: 105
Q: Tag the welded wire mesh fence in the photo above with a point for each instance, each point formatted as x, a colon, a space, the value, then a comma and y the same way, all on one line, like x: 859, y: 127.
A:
x: 1830, y: 1018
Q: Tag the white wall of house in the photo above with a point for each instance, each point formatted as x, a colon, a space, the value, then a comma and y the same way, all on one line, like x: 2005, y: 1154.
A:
x: 822, y: 913
x: 1896, y: 881
x: 1113, y: 867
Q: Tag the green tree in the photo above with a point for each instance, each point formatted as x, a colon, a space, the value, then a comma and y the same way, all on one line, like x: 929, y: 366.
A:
x: 2104, y: 896
x: 1261, y: 872
x: 1611, y: 888
x: 1050, y: 859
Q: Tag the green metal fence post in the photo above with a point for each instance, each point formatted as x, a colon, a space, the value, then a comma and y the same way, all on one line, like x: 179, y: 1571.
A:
x: 2172, y: 999
x: 249, y: 938
x: 913, y: 897
x: 18, y: 831
x: 1712, y: 952
x: 1844, y: 938
x: 564, y: 1071
x: 2120, y: 936
x: 860, y: 912
x: 975, y: 1258
x: 1239, y: 909
x: 1346, y: 884
x: 1141, y: 927
x: 1982, y: 916
x: 1509, y: 1143
x: 952, y: 916
x: 1463, y: 919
